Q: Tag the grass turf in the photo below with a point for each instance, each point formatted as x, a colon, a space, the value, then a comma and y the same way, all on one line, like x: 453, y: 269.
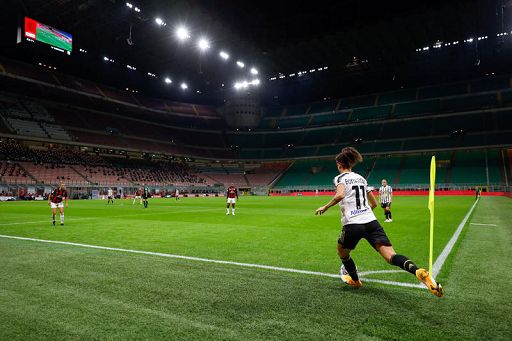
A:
x: 58, y: 291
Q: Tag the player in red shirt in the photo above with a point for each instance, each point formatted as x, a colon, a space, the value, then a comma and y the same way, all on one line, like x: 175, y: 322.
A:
x: 56, y: 200
x: 231, y: 195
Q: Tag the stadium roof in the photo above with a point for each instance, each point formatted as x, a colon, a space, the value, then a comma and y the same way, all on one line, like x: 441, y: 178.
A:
x: 278, y: 37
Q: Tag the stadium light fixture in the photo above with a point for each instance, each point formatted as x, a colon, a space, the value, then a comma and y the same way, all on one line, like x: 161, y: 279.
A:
x: 160, y: 22
x: 254, y: 71
x: 182, y: 33
x: 184, y: 86
x: 203, y: 44
x: 224, y: 55
x: 167, y: 80
x: 240, y: 64
x: 137, y: 9
x: 129, y: 5
x: 255, y: 82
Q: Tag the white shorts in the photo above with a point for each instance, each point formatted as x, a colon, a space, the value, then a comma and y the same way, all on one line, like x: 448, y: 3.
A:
x: 231, y: 200
x: 59, y: 205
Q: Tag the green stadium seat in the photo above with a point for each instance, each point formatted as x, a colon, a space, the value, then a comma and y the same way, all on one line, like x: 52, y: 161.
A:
x: 251, y: 154
x: 470, y: 102
x: 355, y: 102
x: 323, y: 106
x: 490, y: 84
x: 371, y: 113
x: 443, y: 90
x: 397, y: 96
x: 398, y: 129
x: 292, y: 122
x: 280, y: 139
x: 429, y: 143
x: 321, y: 136
x: 366, y: 132
x: 494, y: 162
x: 431, y: 106
x: 245, y: 140
x: 469, y: 167
x: 415, y: 170
x: 506, y: 97
x: 295, y: 110
x: 387, y: 146
x: 338, y: 117
x: 447, y: 124
x: 385, y: 167
x: 274, y: 111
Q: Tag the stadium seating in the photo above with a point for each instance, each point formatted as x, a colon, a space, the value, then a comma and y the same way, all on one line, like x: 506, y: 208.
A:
x: 12, y: 173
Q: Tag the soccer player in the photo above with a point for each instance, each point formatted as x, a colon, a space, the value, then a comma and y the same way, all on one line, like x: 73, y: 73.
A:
x: 137, y: 195
x: 145, y: 196
x: 110, y: 196
x: 385, y: 198
x: 55, y: 200
x: 356, y: 203
x: 231, y: 195
x: 177, y: 194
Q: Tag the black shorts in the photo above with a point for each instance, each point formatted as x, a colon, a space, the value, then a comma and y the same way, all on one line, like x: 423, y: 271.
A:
x: 145, y: 197
x: 351, y: 234
x: 385, y: 204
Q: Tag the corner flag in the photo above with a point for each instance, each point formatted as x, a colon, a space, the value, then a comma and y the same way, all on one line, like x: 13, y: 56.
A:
x: 431, y: 209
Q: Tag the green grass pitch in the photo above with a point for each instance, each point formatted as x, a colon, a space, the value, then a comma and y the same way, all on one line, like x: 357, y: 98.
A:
x: 53, y: 291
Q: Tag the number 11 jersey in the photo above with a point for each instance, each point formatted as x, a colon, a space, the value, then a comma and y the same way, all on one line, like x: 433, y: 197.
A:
x: 355, y: 208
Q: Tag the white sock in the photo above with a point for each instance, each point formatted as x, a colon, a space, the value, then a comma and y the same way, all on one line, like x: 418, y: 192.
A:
x: 233, y: 210
x: 227, y: 210
x: 62, y: 218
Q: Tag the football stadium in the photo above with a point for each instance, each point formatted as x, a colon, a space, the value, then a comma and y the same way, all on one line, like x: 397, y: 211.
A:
x: 333, y: 170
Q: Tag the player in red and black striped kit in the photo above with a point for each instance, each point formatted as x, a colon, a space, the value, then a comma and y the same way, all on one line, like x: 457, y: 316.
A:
x: 231, y: 195
x: 56, y: 200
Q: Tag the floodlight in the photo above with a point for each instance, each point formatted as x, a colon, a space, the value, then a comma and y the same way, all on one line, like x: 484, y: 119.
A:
x: 159, y: 21
x: 129, y: 5
x: 203, y: 44
x: 184, y: 86
x: 167, y: 80
x: 254, y: 71
x: 182, y: 33
x: 224, y: 55
x: 240, y: 64
x: 255, y: 82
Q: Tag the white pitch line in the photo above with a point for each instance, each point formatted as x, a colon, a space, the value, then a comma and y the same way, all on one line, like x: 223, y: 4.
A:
x: 448, y: 248
x: 207, y: 260
x: 480, y: 224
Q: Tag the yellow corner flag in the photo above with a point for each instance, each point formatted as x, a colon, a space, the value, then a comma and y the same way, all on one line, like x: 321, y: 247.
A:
x: 431, y: 208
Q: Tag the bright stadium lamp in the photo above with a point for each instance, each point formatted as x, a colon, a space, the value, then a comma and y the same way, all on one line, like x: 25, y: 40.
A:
x: 224, y: 55
x: 184, y: 86
x: 254, y: 71
x: 182, y: 33
x: 255, y: 82
x: 203, y: 44
x: 160, y: 22
x: 167, y: 80
x: 240, y: 64
x: 129, y: 5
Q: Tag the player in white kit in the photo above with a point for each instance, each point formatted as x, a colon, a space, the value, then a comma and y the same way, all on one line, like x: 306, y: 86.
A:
x: 385, y: 198
x: 110, y: 196
x: 356, y: 203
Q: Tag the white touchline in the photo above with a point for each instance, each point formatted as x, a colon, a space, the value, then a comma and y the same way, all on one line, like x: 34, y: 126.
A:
x: 168, y: 255
x: 480, y: 224
x: 448, y: 248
